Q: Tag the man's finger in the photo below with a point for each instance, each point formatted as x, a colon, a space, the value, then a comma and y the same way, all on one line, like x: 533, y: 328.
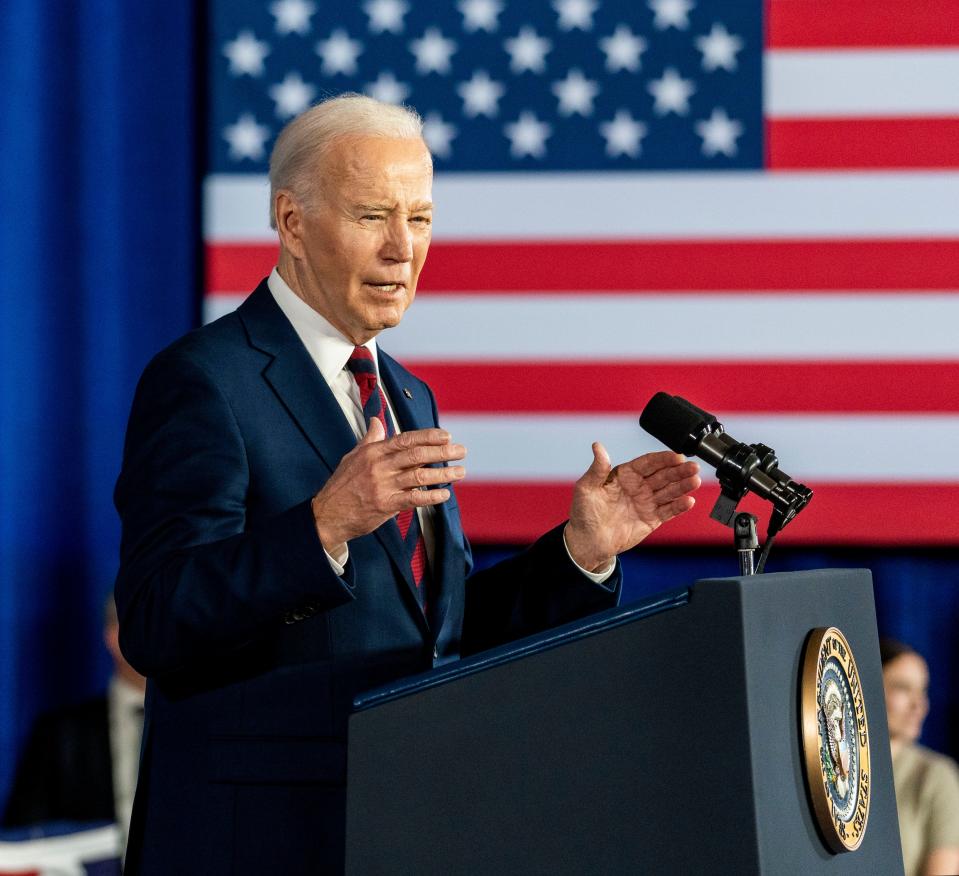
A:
x: 427, y: 477
x: 676, y: 489
x: 374, y: 431
x: 671, y: 475
x: 649, y: 463
x: 675, y: 508
x: 600, y: 467
x: 425, y: 454
x: 422, y: 498
x: 416, y: 437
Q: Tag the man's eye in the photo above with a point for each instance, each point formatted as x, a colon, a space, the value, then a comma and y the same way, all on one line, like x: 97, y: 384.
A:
x: 423, y: 220
x: 372, y: 216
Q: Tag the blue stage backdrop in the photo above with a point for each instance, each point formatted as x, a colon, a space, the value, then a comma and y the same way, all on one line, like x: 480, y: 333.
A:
x: 98, y: 240
x: 97, y: 205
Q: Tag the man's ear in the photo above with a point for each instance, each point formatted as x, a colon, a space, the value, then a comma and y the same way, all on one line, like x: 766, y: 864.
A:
x: 289, y: 223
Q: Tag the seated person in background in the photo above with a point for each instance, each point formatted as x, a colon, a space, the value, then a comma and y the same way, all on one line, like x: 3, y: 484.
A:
x: 80, y: 762
x: 927, y: 783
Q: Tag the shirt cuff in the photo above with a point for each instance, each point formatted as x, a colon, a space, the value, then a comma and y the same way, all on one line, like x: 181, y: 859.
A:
x: 338, y: 563
x: 599, y: 577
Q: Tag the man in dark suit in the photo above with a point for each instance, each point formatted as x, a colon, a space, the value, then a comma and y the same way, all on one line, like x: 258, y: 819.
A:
x: 290, y: 530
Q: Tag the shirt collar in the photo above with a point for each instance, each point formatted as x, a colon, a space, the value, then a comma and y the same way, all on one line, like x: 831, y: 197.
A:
x: 328, y: 348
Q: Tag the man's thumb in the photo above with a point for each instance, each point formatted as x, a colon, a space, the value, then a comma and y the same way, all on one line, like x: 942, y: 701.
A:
x: 374, y: 432
x: 600, y: 467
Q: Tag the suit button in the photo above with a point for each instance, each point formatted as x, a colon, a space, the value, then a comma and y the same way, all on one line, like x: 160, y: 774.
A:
x: 436, y: 652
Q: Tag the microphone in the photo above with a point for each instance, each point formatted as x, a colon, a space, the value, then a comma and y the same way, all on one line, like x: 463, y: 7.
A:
x: 741, y: 468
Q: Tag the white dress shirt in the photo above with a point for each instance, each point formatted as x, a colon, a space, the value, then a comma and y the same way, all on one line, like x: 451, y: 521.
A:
x: 125, y: 715
x: 330, y: 351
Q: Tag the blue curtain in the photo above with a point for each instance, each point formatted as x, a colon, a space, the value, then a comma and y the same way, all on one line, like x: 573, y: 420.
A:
x: 98, y: 252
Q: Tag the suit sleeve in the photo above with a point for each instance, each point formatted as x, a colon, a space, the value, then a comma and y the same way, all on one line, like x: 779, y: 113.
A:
x: 533, y: 591
x: 195, y: 580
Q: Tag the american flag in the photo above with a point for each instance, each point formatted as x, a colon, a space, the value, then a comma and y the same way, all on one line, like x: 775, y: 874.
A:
x: 752, y: 205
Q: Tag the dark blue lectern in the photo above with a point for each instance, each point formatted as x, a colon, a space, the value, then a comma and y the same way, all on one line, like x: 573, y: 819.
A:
x: 661, y: 737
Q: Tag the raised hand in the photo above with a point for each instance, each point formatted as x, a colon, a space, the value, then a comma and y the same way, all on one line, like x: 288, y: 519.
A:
x: 614, y: 509
x: 381, y: 477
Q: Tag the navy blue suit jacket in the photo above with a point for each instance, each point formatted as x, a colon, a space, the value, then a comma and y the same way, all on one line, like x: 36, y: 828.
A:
x: 253, y: 646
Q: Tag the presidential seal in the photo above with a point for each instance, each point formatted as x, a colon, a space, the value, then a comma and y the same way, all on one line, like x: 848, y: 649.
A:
x: 835, y: 736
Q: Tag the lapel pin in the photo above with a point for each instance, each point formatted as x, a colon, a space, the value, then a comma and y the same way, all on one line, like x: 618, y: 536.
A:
x: 407, y: 393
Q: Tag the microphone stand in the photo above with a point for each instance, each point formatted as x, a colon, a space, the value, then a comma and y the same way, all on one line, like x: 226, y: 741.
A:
x: 747, y: 542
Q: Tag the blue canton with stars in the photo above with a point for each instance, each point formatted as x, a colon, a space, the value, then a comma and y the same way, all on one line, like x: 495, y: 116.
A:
x: 538, y: 85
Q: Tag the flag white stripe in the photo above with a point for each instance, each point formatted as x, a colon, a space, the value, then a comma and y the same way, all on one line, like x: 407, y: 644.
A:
x: 846, y: 448
x: 652, y: 206
x: 861, y: 83
x: 691, y: 327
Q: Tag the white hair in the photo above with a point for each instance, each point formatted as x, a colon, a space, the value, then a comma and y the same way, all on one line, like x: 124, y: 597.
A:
x: 311, y: 134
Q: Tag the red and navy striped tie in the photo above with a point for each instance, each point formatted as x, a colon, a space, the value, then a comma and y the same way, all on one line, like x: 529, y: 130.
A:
x: 373, y: 401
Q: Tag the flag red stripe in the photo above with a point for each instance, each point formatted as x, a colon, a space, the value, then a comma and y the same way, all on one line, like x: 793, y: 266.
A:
x: 863, y: 143
x: 839, y: 514
x: 731, y: 387
x: 582, y: 267
x: 807, y: 24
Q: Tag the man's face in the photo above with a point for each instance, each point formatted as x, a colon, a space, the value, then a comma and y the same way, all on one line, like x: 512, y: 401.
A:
x: 364, y: 242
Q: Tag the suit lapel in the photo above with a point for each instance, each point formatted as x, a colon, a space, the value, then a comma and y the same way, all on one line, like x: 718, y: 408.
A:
x: 411, y: 413
x: 295, y: 379
x: 301, y: 389
x: 414, y: 410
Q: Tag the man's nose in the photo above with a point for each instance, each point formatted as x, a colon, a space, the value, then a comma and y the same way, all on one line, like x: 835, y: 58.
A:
x: 398, y: 245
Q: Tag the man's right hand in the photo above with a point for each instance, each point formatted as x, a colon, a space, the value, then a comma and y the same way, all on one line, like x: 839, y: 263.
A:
x: 381, y: 477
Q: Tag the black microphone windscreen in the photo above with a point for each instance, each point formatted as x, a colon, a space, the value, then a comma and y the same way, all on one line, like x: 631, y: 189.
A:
x: 674, y: 421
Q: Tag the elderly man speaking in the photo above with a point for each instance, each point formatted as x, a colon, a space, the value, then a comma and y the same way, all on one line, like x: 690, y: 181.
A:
x: 290, y: 529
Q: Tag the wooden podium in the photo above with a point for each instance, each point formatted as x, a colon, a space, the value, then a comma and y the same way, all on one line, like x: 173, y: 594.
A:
x: 660, y: 737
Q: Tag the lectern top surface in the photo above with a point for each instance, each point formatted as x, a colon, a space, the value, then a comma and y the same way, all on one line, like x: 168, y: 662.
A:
x: 589, y: 626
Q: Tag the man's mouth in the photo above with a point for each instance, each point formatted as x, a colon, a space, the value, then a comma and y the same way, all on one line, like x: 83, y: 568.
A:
x: 386, y: 287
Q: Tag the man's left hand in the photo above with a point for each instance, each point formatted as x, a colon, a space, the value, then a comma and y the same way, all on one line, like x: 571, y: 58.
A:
x: 614, y: 509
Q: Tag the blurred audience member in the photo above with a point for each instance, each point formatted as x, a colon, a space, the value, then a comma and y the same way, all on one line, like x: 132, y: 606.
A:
x: 927, y: 783
x: 80, y: 762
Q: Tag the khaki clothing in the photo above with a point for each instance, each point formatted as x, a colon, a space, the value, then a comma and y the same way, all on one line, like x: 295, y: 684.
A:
x: 927, y: 796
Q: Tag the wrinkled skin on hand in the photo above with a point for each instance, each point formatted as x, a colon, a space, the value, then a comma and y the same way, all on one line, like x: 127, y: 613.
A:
x: 614, y: 509
x: 382, y: 476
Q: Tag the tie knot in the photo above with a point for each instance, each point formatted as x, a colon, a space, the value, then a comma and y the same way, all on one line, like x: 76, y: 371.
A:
x: 361, y: 362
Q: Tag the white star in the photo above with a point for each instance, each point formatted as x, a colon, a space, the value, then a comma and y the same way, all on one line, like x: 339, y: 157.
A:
x: 480, y: 14
x: 719, y: 133
x: 438, y: 134
x: 527, y: 135
x: 622, y: 49
x: 387, y: 89
x: 433, y: 52
x: 671, y: 13
x: 246, y: 54
x: 386, y: 15
x: 480, y: 95
x: 292, y: 95
x: 528, y: 51
x: 575, y: 14
x: 292, y: 16
x: 719, y: 49
x: 246, y: 138
x: 671, y: 93
x: 339, y: 53
x: 623, y: 134
x: 576, y: 94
